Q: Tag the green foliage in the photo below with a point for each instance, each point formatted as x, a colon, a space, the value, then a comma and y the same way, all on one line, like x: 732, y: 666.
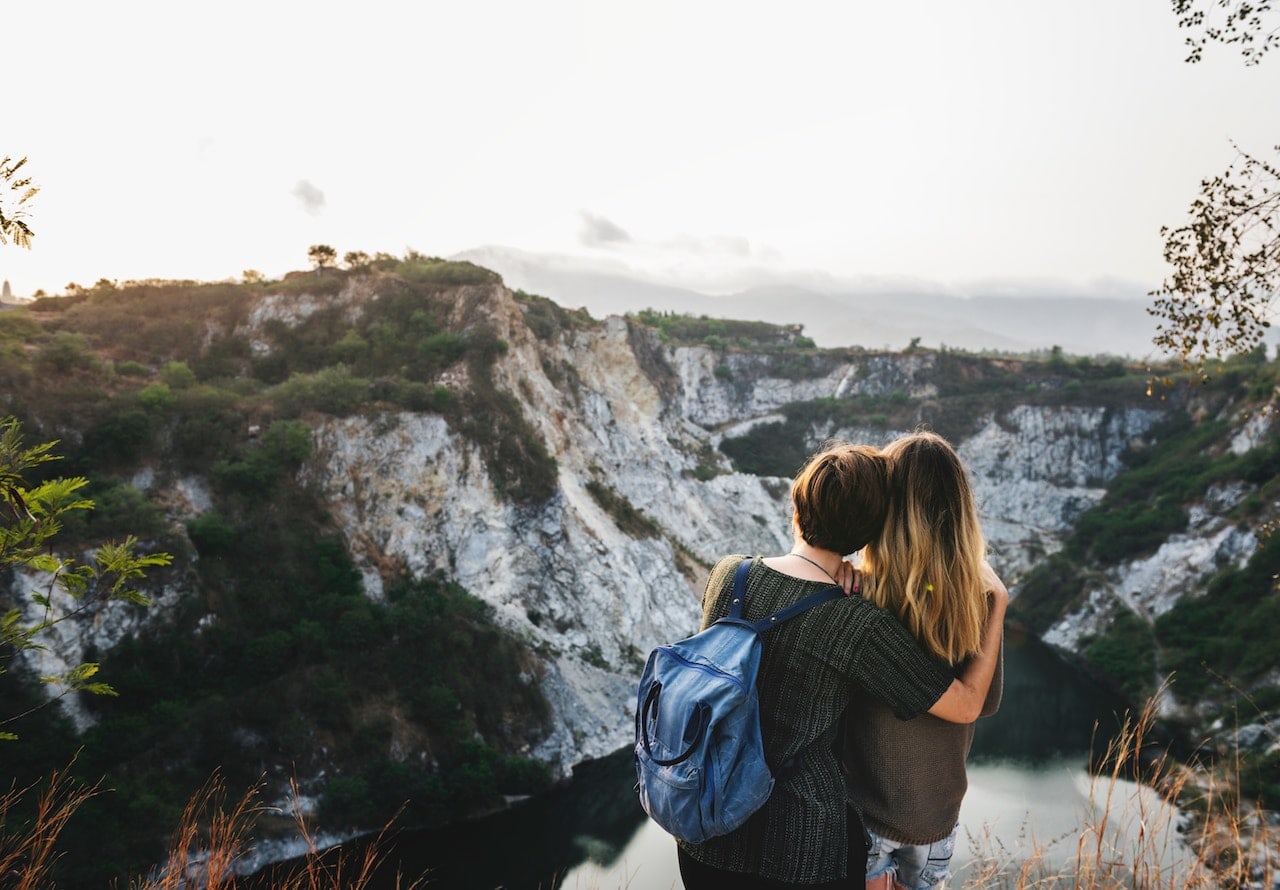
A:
x: 332, y: 390
x: 1049, y: 590
x: 321, y: 283
x: 177, y: 375
x: 17, y: 326
x: 1227, y: 636
x: 257, y: 472
x: 66, y: 352
x: 211, y: 534
x: 768, y: 449
x: 514, y: 453
x: 207, y: 424
x: 546, y: 318
x: 116, y: 505
x: 322, y: 256
x: 1126, y: 655
x: 67, y: 587
x: 419, y: 269
x: 154, y: 322
x: 121, y: 437
x: 628, y: 519
x: 1259, y: 778
x: 678, y: 328
x: 1113, y: 532
x: 156, y: 398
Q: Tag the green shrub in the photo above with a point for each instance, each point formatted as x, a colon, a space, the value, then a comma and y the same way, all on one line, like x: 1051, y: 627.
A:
x: 514, y: 454
x: 628, y: 519
x: 331, y: 390
x: 420, y: 269
x: 1126, y: 654
x: 768, y: 449
x: 546, y: 319
x: 256, y: 473
x: 117, y: 506
x: 1226, y: 637
x: 1110, y: 533
x: 19, y: 326
x: 443, y: 349
x: 211, y: 534
x: 157, y: 398
x: 177, y: 375
x: 67, y: 351
x: 208, y: 425
x: 119, y: 439
x: 1049, y: 590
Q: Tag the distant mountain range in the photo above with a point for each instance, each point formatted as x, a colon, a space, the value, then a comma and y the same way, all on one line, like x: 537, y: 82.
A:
x: 835, y: 317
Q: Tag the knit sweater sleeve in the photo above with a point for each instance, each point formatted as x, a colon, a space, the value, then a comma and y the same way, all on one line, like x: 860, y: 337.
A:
x: 891, y: 666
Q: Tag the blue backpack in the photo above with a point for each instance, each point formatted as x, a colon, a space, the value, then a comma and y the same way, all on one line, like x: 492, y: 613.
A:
x: 699, y: 753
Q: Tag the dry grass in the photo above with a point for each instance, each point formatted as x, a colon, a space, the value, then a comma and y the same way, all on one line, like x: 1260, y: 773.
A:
x: 215, y: 835
x: 213, y: 838
x: 1153, y: 824
x: 1180, y: 827
x: 28, y: 849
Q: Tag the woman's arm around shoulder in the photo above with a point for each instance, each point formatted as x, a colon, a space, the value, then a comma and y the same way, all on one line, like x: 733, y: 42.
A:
x: 963, y: 701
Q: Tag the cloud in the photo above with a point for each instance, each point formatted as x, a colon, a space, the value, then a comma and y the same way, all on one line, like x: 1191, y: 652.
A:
x: 310, y: 197
x: 600, y: 232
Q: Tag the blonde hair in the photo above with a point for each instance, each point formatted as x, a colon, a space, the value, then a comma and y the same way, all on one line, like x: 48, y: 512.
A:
x: 926, y: 565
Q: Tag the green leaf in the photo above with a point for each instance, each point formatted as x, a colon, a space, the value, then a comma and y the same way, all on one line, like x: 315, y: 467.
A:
x: 45, y: 562
x: 98, y: 689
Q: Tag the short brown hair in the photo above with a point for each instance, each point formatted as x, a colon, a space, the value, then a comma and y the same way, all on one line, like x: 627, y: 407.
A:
x: 841, y: 497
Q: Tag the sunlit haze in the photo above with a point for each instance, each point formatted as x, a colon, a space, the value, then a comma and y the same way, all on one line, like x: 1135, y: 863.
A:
x: 1001, y: 146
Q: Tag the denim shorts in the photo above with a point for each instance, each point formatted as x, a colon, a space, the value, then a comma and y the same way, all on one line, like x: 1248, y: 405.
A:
x: 917, y: 866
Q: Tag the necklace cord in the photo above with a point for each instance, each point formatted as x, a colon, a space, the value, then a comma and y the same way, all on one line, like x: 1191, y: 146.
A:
x: 815, y: 563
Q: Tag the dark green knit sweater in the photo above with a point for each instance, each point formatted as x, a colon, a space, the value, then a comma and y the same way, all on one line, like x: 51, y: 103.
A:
x: 808, y: 671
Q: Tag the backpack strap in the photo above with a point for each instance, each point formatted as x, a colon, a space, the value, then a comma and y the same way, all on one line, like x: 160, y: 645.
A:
x: 739, y: 591
x: 739, y: 599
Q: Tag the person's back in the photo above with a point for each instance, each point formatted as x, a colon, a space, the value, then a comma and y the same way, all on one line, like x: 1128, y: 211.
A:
x: 907, y: 779
x: 809, y: 668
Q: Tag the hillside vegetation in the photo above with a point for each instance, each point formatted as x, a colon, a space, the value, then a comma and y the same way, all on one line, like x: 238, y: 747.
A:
x: 278, y: 663
x: 163, y: 378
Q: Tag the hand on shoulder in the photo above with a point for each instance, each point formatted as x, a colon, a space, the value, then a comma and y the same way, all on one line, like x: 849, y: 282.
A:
x: 995, y: 587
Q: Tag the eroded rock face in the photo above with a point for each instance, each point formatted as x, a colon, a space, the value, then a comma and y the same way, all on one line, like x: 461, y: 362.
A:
x: 638, y: 420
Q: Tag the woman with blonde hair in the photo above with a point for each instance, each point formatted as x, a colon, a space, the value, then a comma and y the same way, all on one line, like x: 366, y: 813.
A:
x: 928, y: 567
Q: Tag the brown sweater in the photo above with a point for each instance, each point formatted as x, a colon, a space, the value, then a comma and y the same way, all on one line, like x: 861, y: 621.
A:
x: 809, y: 669
x: 907, y: 778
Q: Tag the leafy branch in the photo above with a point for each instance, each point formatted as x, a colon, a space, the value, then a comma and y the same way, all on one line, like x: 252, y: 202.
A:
x: 12, y: 221
x: 1226, y: 265
x: 1233, y: 22
x: 31, y: 517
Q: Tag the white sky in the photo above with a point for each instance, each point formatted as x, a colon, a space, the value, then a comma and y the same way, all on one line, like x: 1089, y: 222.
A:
x: 1012, y: 141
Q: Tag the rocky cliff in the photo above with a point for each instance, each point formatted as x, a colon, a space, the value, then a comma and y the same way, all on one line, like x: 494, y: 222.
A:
x: 612, y: 560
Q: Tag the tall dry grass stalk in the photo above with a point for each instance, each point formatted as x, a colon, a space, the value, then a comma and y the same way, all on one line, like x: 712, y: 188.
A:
x: 28, y: 846
x: 1153, y: 824
x: 213, y: 837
